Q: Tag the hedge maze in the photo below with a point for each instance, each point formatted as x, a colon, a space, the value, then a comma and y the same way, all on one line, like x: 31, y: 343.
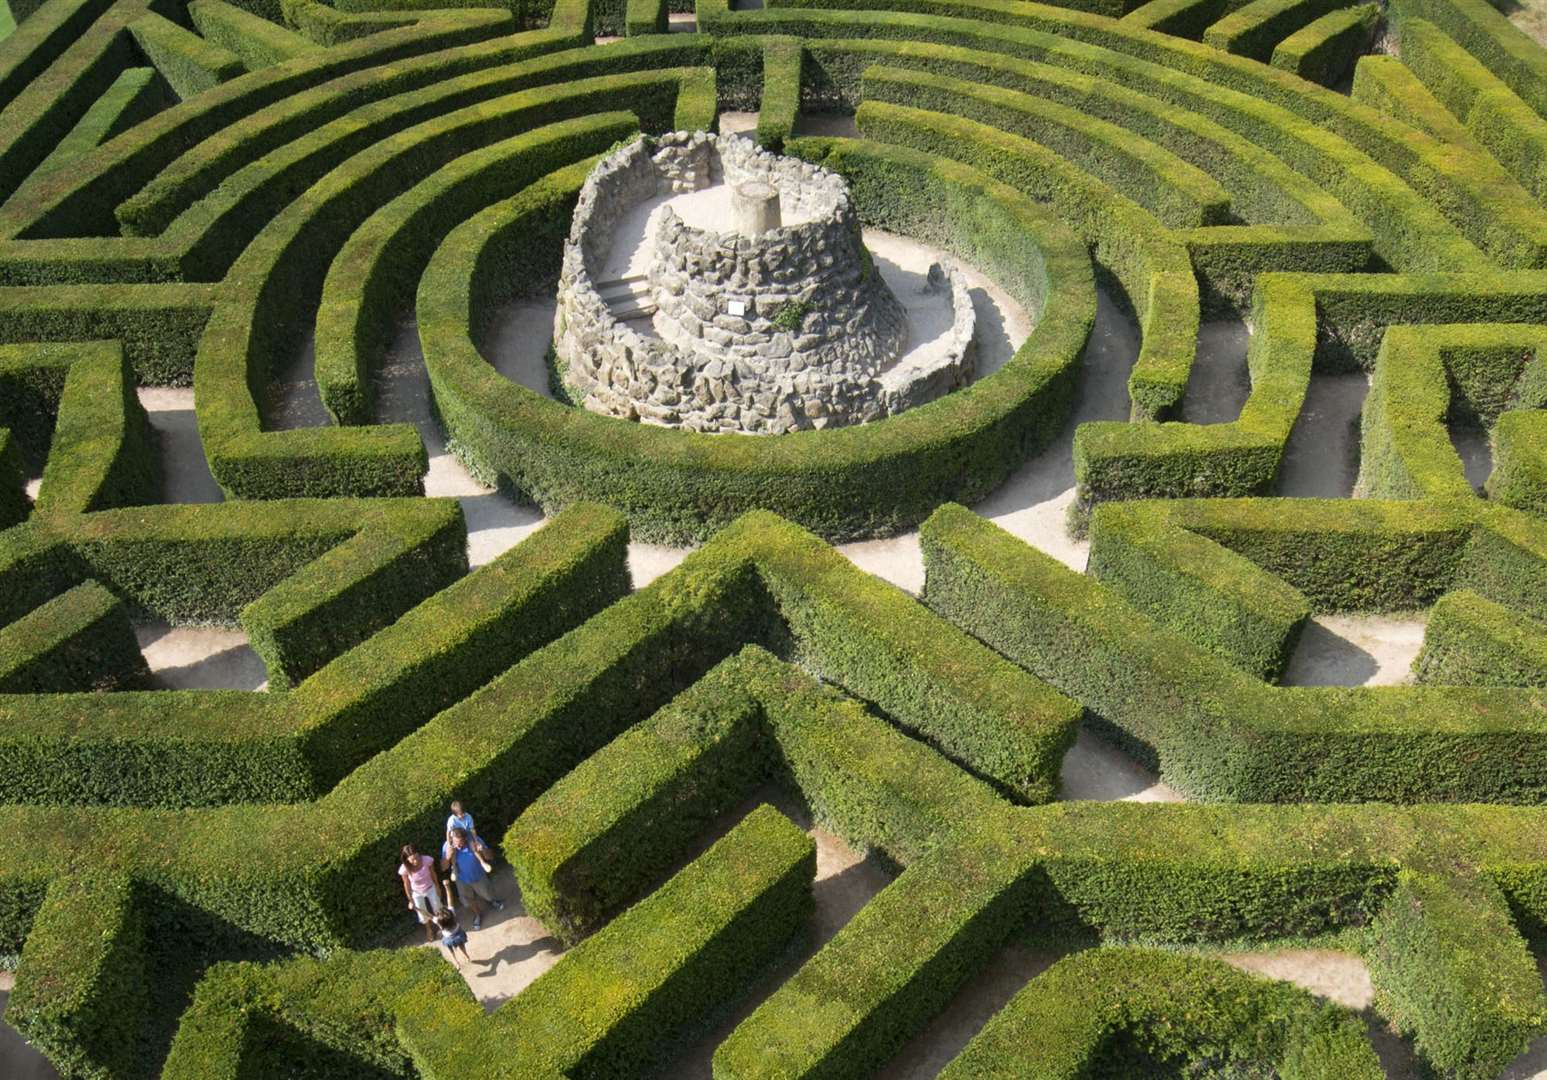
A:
x: 198, y: 882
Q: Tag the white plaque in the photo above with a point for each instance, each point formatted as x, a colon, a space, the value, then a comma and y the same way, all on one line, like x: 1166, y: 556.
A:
x: 736, y: 307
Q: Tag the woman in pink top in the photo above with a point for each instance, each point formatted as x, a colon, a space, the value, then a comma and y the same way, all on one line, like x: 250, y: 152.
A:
x: 422, y: 886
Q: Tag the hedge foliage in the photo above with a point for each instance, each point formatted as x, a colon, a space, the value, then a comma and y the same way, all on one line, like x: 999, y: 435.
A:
x: 1473, y: 641
x: 1219, y: 733
x: 602, y: 834
x: 1427, y: 379
x: 251, y: 329
x: 1135, y: 1012
x: 189, y: 63
x: 80, y: 640
x: 1325, y: 50
x: 373, y: 276
x: 1354, y: 156
x: 355, y: 568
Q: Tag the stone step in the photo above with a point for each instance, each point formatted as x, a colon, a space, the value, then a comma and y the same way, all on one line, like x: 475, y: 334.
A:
x: 635, y: 285
x: 637, y: 309
x: 628, y: 297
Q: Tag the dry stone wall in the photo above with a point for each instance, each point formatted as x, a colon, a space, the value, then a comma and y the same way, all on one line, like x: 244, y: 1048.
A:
x: 790, y: 329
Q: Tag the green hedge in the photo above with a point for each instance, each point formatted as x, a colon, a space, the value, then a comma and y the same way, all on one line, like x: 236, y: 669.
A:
x: 602, y: 834
x: 1519, y: 475
x: 158, y: 325
x: 1064, y: 148
x: 1125, y: 870
x: 1483, y: 31
x: 1494, y: 116
x: 1141, y: 1012
x: 1217, y: 599
x: 779, y: 104
x: 1389, y: 86
x: 80, y: 640
x: 136, y: 95
x: 189, y: 63
x: 31, y: 48
x: 1216, y: 732
x: 1376, y: 171
x: 1255, y: 28
x: 352, y: 591
x: 1180, y: 18
x: 461, y: 637
x: 681, y: 953
x: 372, y: 278
x: 1329, y: 322
x: 332, y: 1017
x: 256, y: 41
x: 81, y: 202
x: 677, y: 485
x: 199, y: 748
x: 1324, y: 51
x: 32, y: 378
x: 77, y: 420
x: 1151, y: 266
x: 1449, y: 970
x: 1473, y: 641
x: 854, y: 1004
x: 85, y: 47
x: 103, y: 453
x: 14, y: 503
x: 1427, y: 379
x: 253, y: 329
x: 1263, y: 190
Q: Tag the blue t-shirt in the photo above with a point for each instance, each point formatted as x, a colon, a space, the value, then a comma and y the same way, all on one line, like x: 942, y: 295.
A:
x: 468, y: 868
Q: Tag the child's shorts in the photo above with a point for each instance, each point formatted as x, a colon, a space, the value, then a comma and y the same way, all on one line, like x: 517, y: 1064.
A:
x: 456, y: 940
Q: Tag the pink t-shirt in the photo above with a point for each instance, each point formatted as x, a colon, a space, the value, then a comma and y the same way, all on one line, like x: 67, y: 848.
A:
x: 422, y: 879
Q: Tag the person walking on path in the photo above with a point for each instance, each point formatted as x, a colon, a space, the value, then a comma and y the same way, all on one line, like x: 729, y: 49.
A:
x: 422, y: 885
x: 452, y: 936
x: 470, y: 873
x: 461, y: 819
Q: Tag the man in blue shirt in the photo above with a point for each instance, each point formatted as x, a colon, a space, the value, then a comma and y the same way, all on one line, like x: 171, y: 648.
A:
x: 470, y: 873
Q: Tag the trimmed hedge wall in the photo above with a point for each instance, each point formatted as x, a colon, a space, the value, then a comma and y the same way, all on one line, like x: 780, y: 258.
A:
x: 677, y: 485
x: 256, y: 41
x: 80, y: 640
x: 252, y: 327
x: 1389, y: 87
x: 1325, y: 50
x: 1473, y: 641
x: 1519, y: 475
x: 1217, y: 599
x: 602, y: 834
x: 200, y: 748
x: 618, y: 1002
x: 352, y: 591
x: 850, y: 1007
x: 1141, y: 1012
x: 103, y: 453
x: 1499, y: 45
x: 81, y: 202
x: 1494, y: 116
x: 321, y: 1017
x: 1426, y: 379
x: 1450, y: 970
x: 189, y: 63
x: 1376, y: 171
x: 372, y: 279
x: 157, y: 325
x: 1255, y: 28
x: 1216, y: 732
x: 136, y: 95
x: 1151, y: 266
